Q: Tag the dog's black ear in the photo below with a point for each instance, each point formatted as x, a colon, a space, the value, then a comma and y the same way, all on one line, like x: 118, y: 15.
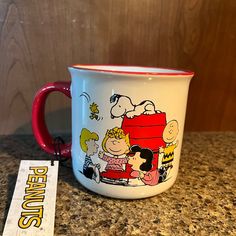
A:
x: 114, y: 97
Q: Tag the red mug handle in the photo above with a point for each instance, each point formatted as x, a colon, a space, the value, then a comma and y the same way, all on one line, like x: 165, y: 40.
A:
x: 39, y: 127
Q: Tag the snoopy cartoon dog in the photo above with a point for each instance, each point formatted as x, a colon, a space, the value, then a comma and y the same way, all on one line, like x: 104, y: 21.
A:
x: 124, y: 106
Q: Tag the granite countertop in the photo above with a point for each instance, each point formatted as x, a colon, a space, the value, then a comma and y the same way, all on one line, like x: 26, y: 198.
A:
x: 201, y: 202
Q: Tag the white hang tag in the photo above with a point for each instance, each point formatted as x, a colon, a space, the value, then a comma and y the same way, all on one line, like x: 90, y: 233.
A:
x: 32, y: 210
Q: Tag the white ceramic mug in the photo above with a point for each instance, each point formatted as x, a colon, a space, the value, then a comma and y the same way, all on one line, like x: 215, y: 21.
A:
x: 127, y: 127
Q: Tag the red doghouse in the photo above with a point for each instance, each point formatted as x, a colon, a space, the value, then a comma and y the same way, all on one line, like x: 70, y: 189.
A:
x: 145, y: 131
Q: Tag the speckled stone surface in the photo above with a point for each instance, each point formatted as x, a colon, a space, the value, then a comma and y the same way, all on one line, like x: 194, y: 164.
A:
x: 202, y: 201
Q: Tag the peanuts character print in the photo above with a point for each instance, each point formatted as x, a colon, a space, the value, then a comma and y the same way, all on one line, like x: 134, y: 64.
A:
x: 138, y: 152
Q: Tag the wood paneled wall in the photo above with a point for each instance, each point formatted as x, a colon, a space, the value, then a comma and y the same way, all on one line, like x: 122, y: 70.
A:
x: 39, y: 39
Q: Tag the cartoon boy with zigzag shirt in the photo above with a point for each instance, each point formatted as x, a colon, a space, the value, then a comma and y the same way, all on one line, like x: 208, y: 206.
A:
x: 90, y: 147
x: 169, y: 135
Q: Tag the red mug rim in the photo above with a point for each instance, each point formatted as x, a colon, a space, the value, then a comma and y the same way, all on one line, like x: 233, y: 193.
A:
x: 130, y: 69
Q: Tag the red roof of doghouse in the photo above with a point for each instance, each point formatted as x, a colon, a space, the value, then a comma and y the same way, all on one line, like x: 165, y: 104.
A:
x: 146, y: 130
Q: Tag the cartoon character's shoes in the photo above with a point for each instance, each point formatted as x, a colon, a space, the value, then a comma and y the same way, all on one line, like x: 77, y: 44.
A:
x: 163, y: 174
x: 96, y: 175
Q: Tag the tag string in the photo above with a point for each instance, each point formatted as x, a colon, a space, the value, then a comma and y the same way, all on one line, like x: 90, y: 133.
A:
x: 57, y: 142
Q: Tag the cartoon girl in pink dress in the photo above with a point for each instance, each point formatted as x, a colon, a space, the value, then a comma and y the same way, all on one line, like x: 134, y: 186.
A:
x: 116, y: 146
x: 141, y: 164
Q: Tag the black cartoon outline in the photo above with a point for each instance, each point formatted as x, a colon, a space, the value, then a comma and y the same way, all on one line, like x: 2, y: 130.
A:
x: 86, y: 95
